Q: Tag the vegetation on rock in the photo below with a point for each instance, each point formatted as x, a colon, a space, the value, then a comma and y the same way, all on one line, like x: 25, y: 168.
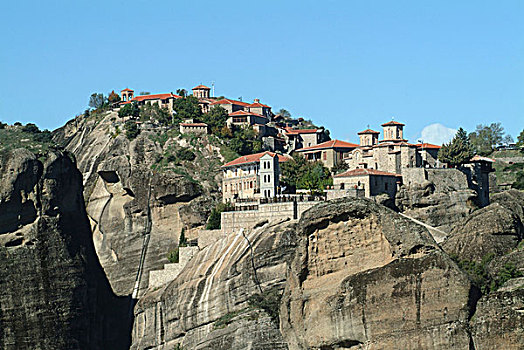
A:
x: 458, y: 151
x: 298, y: 173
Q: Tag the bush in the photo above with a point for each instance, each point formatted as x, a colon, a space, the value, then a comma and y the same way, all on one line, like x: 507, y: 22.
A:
x: 214, y: 220
x: 185, y: 154
x: 173, y: 256
x: 31, y: 128
x: 2, y: 125
x: 519, y: 183
x: 132, y: 130
x: 129, y: 110
x: 269, y: 301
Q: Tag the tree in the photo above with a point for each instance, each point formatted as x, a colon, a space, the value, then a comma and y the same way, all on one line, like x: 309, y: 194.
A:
x: 155, y: 112
x: 187, y: 108
x: 284, y: 113
x: 520, y: 141
x: 31, y: 128
x: 129, y: 110
x: 113, y: 97
x: 132, y: 130
x: 216, y: 119
x: 181, y: 92
x: 486, y: 137
x: 299, y: 173
x: 2, y: 125
x: 97, y: 100
x: 458, y: 151
x: 214, y: 220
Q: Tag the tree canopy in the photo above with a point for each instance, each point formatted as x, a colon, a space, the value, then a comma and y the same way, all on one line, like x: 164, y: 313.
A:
x: 155, y: 112
x: 284, y: 113
x: 97, y: 100
x: 486, y: 137
x: 299, y: 173
x: 520, y: 140
x: 458, y: 151
x: 129, y: 110
x: 187, y: 108
x: 216, y: 119
x: 132, y: 130
x: 113, y: 97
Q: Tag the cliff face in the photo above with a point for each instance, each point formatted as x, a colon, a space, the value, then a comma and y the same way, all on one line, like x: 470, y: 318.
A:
x: 129, y: 196
x: 53, y: 293
x: 365, y: 278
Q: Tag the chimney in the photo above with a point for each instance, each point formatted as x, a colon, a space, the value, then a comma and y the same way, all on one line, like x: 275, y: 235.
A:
x: 257, y: 100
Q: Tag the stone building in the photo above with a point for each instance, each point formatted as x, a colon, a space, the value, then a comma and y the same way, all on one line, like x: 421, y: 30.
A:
x: 201, y: 91
x: 246, y: 176
x: 195, y: 128
x: 330, y: 152
x: 243, y: 118
x: 162, y: 100
x: 231, y: 105
x: 372, y: 182
x: 392, y: 153
x: 300, y: 138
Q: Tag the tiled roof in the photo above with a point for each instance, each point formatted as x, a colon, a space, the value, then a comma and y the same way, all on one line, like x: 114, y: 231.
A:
x: 193, y: 124
x: 290, y: 131
x: 154, y: 97
x: 201, y: 87
x: 329, y: 144
x: 368, y: 131
x: 478, y: 158
x: 242, y: 113
x: 252, y: 158
x: 127, y: 89
x: 258, y: 104
x: 360, y: 172
x: 392, y: 123
x: 227, y: 101
x: 427, y: 145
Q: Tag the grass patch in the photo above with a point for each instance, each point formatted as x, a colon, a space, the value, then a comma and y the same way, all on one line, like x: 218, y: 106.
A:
x: 227, y: 319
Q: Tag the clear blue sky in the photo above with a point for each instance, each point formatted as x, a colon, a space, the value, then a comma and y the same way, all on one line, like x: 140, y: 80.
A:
x: 343, y: 64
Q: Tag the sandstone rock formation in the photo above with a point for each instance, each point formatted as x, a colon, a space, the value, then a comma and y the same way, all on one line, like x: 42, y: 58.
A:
x: 207, y: 306
x: 442, y: 201
x: 128, y: 197
x: 53, y: 292
x: 364, y: 277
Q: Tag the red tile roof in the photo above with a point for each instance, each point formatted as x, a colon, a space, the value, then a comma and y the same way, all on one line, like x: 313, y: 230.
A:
x: 252, y: 158
x: 361, y: 172
x: 329, y: 144
x: 201, y: 87
x: 242, y: 113
x: 427, y: 145
x: 290, y: 131
x: 478, y: 158
x: 154, y: 97
x: 127, y: 89
x: 258, y: 104
x: 193, y: 124
x: 368, y: 131
x: 227, y: 101
x: 392, y: 123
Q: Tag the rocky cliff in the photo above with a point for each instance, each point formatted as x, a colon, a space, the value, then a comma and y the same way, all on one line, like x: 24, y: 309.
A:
x: 53, y: 292
x: 139, y: 195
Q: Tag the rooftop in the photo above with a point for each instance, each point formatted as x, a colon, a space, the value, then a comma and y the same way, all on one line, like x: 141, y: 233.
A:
x: 127, y: 89
x: 242, y: 113
x: 193, y: 124
x: 361, y: 172
x: 227, y: 101
x: 368, y: 131
x: 329, y: 144
x: 478, y: 158
x: 155, y: 97
x: 253, y: 158
x: 290, y: 131
x: 428, y: 145
x: 392, y: 123
x: 201, y: 87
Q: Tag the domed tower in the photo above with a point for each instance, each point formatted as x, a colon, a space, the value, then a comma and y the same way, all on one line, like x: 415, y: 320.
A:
x: 126, y: 95
x: 393, y: 131
x: 201, y: 91
x: 368, y: 137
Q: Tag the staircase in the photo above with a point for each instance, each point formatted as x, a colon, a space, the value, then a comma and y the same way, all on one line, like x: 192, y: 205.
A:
x: 158, y: 278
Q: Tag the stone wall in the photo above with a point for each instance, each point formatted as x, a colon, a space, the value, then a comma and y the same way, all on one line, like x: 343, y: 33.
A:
x: 235, y: 220
x: 171, y: 271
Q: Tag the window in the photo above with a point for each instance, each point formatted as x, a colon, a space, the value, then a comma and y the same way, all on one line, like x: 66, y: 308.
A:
x: 386, y: 186
x: 324, y: 155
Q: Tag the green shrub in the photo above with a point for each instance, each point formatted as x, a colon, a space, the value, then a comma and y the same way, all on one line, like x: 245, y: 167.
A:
x: 269, y: 301
x: 185, y: 154
x: 31, y: 128
x: 214, y: 220
x: 132, y: 130
x: 173, y: 256
x: 182, y: 241
x: 129, y: 110
x: 226, y: 319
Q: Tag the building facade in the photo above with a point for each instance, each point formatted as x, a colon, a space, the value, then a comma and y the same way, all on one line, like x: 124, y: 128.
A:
x: 245, y: 177
x: 330, y: 153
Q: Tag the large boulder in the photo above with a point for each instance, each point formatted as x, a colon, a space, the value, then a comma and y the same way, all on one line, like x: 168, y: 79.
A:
x: 53, y: 293
x: 493, y: 230
x: 365, y: 277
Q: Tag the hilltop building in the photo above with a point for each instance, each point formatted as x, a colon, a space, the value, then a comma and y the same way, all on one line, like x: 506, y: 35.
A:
x: 392, y: 153
x: 253, y: 176
x: 162, y: 100
x: 330, y: 153
x: 300, y: 138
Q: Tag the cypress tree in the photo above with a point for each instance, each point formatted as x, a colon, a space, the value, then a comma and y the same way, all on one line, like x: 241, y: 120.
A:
x: 458, y: 151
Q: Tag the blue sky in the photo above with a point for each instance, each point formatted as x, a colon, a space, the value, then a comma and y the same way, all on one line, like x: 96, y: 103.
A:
x: 343, y: 64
